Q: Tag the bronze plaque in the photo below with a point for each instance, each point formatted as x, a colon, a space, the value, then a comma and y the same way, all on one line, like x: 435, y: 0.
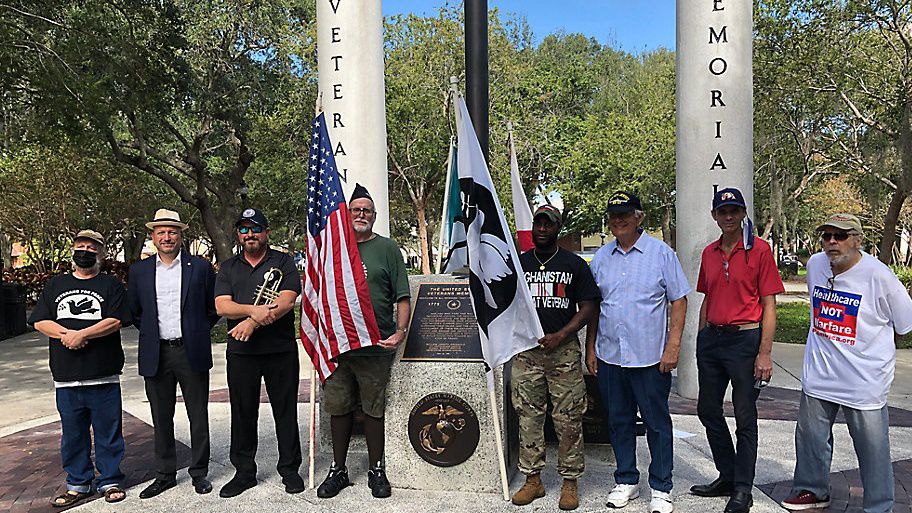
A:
x: 443, y: 326
x: 443, y: 429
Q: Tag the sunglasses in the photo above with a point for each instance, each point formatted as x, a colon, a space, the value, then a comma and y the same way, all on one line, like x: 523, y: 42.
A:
x: 361, y: 211
x: 244, y: 230
x: 840, y: 236
x: 725, y: 270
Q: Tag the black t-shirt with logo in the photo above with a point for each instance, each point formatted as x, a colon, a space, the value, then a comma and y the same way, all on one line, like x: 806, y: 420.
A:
x: 76, y: 304
x: 556, y: 290
x: 238, y: 279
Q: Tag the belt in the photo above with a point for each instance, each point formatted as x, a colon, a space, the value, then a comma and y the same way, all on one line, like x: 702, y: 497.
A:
x: 171, y: 342
x: 732, y: 328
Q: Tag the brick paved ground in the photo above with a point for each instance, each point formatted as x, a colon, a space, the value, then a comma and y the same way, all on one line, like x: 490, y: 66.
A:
x: 30, y: 472
x: 846, y: 492
x: 779, y: 404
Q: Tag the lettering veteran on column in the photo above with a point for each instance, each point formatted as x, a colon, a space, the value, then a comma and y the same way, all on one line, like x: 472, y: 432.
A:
x: 171, y: 298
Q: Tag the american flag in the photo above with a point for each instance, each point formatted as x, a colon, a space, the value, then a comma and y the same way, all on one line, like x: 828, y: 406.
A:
x: 336, y: 311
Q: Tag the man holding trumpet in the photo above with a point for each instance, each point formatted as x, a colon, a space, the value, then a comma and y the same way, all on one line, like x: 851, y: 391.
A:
x: 256, y: 291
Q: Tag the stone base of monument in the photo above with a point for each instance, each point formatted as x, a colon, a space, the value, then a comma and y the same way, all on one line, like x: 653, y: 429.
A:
x: 413, y: 381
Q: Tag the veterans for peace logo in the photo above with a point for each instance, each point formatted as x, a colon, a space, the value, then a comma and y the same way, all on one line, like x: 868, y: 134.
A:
x: 79, y: 304
x: 835, y: 314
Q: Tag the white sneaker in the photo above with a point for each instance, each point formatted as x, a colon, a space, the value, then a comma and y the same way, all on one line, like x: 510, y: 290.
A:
x: 660, y: 502
x: 621, y: 494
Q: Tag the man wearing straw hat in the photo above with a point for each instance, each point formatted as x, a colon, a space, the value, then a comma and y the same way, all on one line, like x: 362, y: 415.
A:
x: 171, y: 297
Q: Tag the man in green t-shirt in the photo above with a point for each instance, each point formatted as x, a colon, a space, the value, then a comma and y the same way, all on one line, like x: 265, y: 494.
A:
x: 361, y: 375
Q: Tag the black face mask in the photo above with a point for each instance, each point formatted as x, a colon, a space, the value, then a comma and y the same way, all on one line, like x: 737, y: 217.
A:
x: 84, y: 259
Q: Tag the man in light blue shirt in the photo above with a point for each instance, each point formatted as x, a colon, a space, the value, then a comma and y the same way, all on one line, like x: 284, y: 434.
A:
x: 632, y: 347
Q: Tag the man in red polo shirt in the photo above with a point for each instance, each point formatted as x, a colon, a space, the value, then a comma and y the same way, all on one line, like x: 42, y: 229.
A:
x: 737, y: 321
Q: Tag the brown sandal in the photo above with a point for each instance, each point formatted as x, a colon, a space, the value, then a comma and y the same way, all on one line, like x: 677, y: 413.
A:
x: 69, y: 498
x: 112, y: 491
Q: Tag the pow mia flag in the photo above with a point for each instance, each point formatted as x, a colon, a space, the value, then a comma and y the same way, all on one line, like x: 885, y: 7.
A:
x: 507, y: 321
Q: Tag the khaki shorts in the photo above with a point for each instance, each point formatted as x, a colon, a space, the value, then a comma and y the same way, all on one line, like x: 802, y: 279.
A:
x: 358, y: 379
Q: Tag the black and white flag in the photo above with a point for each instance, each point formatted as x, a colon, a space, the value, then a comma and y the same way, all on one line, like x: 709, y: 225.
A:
x: 507, y: 320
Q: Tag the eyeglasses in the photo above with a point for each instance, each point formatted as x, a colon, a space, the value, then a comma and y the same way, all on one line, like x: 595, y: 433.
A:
x: 243, y: 230
x: 831, y: 282
x: 840, y: 236
x: 361, y: 211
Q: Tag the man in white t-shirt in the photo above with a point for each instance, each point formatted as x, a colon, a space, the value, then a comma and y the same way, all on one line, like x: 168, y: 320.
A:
x: 857, y: 307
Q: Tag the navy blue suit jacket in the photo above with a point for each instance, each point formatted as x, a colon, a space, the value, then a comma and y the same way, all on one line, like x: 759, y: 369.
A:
x: 197, y: 311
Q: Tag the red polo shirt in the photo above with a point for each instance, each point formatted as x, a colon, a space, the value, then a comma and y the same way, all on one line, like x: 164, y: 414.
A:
x: 735, y: 298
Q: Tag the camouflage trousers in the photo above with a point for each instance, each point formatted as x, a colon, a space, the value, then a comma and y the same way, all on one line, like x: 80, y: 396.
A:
x: 537, y: 375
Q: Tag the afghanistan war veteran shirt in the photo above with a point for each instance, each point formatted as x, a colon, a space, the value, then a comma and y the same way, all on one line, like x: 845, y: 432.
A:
x: 556, y: 289
x: 850, y: 355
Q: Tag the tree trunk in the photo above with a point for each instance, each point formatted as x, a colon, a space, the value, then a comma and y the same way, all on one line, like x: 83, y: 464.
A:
x: 132, y: 247
x: 903, y: 186
x: 421, y: 210
x: 219, y: 231
x: 667, y: 235
x: 885, y: 249
x: 6, y: 251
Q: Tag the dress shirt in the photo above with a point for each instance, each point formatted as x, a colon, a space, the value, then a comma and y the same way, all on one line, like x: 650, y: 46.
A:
x: 636, y: 287
x: 168, y: 297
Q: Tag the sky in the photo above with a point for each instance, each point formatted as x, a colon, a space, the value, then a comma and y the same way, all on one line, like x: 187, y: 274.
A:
x: 630, y: 25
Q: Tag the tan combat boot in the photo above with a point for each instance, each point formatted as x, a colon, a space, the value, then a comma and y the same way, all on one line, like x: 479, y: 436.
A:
x: 531, y: 490
x: 569, y: 498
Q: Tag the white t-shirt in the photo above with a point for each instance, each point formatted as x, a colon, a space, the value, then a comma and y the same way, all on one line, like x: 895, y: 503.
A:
x: 850, y: 356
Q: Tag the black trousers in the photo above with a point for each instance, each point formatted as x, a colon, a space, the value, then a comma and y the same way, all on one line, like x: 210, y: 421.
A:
x: 174, y: 369
x: 724, y: 357
x: 280, y: 373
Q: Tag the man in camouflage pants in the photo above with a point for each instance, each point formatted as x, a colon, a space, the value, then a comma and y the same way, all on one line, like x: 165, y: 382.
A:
x: 566, y: 297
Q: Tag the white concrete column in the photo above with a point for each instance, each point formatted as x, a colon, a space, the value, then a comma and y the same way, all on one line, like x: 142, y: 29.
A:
x: 714, y: 136
x: 350, y: 66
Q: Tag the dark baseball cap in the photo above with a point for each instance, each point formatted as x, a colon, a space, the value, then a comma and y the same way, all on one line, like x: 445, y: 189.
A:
x: 623, y: 202
x: 728, y: 196
x: 549, y: 211
x: 254, y: 216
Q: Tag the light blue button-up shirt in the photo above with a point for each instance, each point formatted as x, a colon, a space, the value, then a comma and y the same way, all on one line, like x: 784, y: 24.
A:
x: 636, y: 288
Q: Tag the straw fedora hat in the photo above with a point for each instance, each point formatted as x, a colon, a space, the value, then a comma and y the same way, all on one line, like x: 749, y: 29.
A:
x: 165, y: 217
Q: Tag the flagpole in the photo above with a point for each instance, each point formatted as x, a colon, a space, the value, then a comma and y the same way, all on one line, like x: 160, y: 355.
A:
x: 313, y: 427
x: 498, y: 438
x: 445, y: 211
x: 312, y: 435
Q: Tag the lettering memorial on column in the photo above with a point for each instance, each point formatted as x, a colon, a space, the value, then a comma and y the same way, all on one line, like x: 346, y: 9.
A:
x: 350, y: 68
x: 714, y: 136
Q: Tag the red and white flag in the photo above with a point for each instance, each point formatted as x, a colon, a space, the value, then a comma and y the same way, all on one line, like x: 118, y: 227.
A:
x: 521, y: 211
x: 336, y: 311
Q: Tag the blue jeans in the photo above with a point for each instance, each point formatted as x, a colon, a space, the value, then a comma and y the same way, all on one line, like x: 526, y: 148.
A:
x: 814, y: 451
x: 98, y: 407
x: 624, y: 390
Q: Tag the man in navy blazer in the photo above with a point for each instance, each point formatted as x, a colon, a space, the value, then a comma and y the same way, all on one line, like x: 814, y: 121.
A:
x: 172, y: 300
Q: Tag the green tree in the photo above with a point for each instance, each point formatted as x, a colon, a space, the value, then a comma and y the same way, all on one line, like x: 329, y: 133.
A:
x: 173, y: 88
x: 854, y: 59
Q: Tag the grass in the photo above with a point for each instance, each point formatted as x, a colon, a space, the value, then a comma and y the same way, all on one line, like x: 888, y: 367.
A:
x: 793, y: 320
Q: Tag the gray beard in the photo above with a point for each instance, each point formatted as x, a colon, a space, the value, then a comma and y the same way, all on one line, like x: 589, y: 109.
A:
x: 95, y: 269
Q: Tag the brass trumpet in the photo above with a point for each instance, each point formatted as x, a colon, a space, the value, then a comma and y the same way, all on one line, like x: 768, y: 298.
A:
x: 268, y: 291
